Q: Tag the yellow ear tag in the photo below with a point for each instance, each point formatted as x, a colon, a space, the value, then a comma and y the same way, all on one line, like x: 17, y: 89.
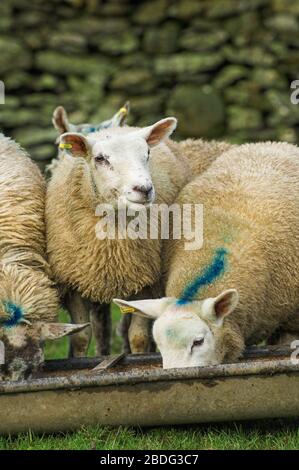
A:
x: 127, y: 309
x: 65, y: 146
x: 122, y: 111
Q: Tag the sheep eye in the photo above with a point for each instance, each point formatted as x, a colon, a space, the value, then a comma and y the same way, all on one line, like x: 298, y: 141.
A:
x: 101, y: 159
x: 197, y: 342
x: 148, y: 155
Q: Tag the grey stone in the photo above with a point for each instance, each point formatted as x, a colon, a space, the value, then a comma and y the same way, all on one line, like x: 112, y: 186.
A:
x: 229, y: 75
x: 283, y: 23
x: 194, y: 41
x: 187, y: 62
x: 68, y: 42
x: 88, y: 26
x: 150, y: 12
x: 199, y: 110
x: 247, y: 93
x: 14, y: 118
x: 12, y: 55
x: 224, y: 8
x: 133, y: 80
x: 186, y: 9
x: 146, y: 105
x: 116, y: 44
x: 35, y: 135
x: 243, y: 118
x: 282, y: 6
x: 254, y: 55
x: 62, y: 64
x: 267, y: 78
x: 18, y: 79
x: 161, y: 39
x: 283, y: 110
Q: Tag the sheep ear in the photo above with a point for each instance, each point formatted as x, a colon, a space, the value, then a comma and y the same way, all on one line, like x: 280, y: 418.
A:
x: 151, y: 308
x: 59, y: 330
x: 216, y: 309
x: 159, y: 131
x: 75, y: 144
x: 120, y: 117
x: 60, y: 120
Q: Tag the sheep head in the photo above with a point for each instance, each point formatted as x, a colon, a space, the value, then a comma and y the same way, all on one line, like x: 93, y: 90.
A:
x: 187, y: 335
x: 119, y: 161
x: 28, y: 306
x: 21, y: 346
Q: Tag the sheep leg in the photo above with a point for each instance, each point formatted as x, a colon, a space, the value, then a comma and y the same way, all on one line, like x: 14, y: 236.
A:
x: 101, y: 327
x: 123, y: 332
x: 136, y: 331
x: 139, y: 334
x: 79, y: 311
x: 288, y: 332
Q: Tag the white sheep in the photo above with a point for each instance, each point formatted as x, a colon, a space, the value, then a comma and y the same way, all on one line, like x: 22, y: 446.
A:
x: 243, y: 284
x: 124, y: 165
x: 60, y: 120
x: 28, y: 298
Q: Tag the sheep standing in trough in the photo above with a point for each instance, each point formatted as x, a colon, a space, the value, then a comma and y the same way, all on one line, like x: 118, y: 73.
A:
x: 120, y: 166
x: 243, y: 284
x: 28, y: 299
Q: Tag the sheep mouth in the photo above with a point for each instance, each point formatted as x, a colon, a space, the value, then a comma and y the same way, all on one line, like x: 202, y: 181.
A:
x: 135, y: 205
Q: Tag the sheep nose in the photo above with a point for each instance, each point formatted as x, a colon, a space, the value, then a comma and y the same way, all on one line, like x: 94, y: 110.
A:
x: 146, y: 191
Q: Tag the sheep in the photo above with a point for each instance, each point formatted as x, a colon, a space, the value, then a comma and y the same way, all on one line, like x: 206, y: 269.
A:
x: 199, y: 153
x: 243, y: 285
x: 28, y: 298
x: 62, y: 124
x: 120, y: 165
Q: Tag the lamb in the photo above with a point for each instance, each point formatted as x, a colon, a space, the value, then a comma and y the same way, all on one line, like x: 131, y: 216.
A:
x: 127, y: 166
x: 62, y: 124
x: 28, y: 298
x: 243, y: 285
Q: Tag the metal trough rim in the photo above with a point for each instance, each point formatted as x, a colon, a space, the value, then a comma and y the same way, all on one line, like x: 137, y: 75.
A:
x: 78, y: 380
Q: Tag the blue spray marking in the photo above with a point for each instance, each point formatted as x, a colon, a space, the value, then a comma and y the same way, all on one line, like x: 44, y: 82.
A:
x: 209, y: 274
x: 15, y: 312
x: 88, y: 130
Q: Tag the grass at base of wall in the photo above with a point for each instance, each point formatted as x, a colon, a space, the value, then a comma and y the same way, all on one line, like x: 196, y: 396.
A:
x: 274, y: 435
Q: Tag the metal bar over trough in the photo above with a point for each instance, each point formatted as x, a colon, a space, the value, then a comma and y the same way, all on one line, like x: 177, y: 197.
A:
x: 137, y: 391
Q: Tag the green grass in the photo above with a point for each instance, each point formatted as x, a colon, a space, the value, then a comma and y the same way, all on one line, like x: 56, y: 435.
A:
x: 275, y: 434
x: 268, y: 434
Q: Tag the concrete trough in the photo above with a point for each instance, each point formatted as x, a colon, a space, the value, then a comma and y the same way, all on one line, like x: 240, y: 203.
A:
x: 137, y: 391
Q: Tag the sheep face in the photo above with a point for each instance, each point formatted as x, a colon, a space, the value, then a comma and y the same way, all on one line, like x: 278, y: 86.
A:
x: 118, y: 160
x: 187, y: 335
x: 21, y: 346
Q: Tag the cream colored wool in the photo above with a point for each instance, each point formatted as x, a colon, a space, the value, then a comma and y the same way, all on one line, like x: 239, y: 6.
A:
x: 103, y: 269
x: 199, y: 153
x: 24, y: 272
x: 251, y: 208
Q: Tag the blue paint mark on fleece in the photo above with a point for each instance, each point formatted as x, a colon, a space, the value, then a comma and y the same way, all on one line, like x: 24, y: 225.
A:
x: 15, y: 312
x: 89, y: 130
x: 209, y: 274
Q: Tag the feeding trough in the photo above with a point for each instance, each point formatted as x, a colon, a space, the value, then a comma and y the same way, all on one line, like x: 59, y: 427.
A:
x: 135, y: 390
